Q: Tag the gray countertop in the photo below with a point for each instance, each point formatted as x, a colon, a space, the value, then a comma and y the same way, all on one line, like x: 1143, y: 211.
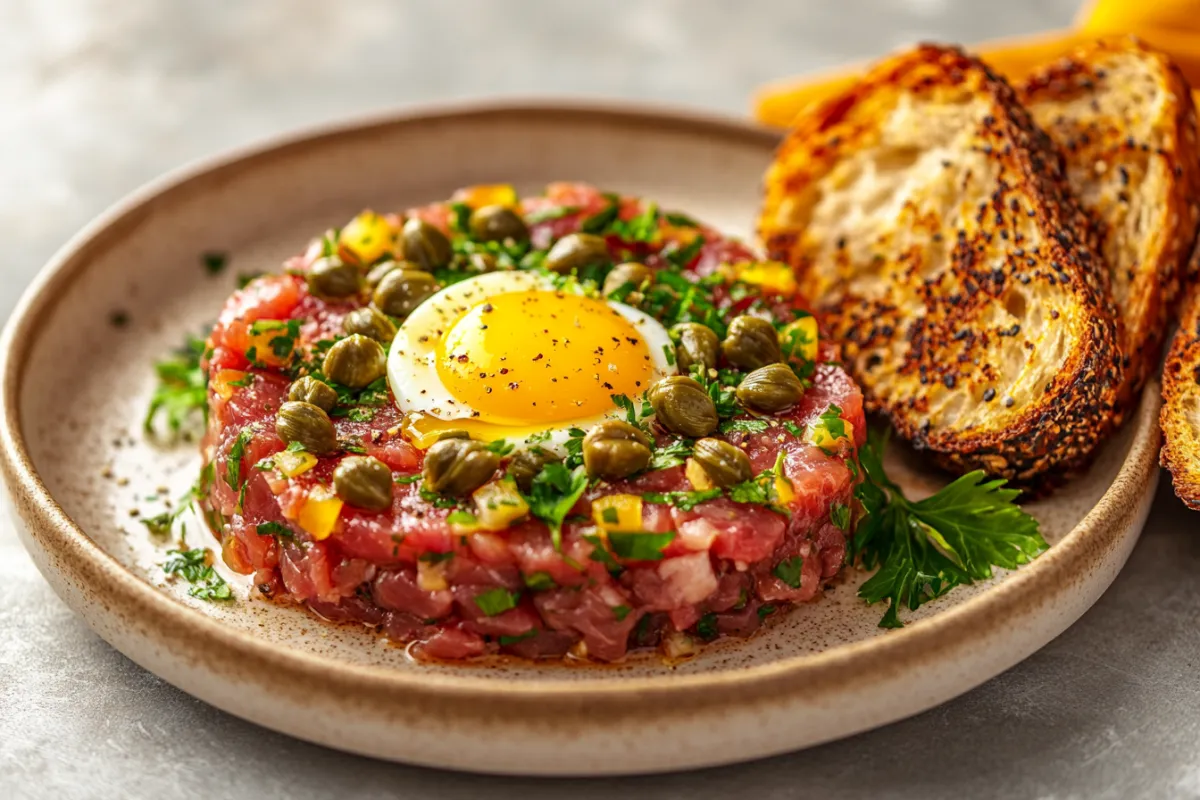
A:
x: 98, y: 96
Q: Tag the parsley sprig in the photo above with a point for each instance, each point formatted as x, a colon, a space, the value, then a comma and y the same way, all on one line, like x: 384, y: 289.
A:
x: 194, y: 567
x: 925, y: 548
x: 553, y: 494
x: 182, y: 391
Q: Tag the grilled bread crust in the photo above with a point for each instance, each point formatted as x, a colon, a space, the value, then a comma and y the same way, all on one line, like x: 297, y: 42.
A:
x: 1123, y: 116
x: 930, y: 222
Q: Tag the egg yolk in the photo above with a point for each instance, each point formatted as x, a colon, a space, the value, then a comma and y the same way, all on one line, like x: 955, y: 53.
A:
x: 542, y: 356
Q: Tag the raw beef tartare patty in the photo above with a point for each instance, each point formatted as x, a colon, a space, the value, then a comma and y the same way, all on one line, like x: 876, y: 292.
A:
x: 569, y: 424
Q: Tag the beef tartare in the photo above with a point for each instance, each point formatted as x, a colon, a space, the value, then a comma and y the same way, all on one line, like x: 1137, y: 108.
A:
x: 561, y: 425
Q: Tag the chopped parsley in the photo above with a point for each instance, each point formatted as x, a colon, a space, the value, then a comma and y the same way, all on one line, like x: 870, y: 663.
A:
x: 501, y: 447
x: 641, y: 228
x: 684, y: 501
x: 789, y: 571
x: 214, y: 262
x: 162, y: 524
x: 460, y: 517
x: 722, y: 389
x: 274, y: 529
x: 839, y: 515
x: 706, y: 627
x: 233, y: 463
x: 552, y: 213
x: 680, y: 220
x: 553, y: 494
x: 574, y: 447
x: 496, y: 601
x: 765, y: 611
x: 182, y: 391
x: 437, y: 500
x: 639, y: 545
x: 925, y: 548
x: 407, y: 479
x: 194, y: 567
x: 540, y: 581
x: 672, y: 455
x: 621, y: 612
x: 744, y: 426
x: 599, y: 222
x: 435, y: 558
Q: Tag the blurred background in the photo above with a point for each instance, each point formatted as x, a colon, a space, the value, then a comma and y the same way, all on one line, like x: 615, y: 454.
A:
x: 99, y: 96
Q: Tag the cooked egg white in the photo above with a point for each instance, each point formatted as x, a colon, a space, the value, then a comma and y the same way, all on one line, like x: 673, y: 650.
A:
x: 506, y: 355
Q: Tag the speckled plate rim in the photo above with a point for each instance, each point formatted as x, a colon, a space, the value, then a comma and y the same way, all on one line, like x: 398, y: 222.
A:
x: 104, y: 592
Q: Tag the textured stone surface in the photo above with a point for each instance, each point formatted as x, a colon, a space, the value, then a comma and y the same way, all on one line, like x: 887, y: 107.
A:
x: 98, y: 96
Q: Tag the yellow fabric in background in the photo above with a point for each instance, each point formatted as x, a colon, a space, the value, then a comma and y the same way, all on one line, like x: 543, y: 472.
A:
x: 1172, y: 26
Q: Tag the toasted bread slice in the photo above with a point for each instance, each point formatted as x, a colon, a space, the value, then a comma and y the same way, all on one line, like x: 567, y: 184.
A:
x: 1180, y: 414
x: 929, y: 220
x: 1122, y: 114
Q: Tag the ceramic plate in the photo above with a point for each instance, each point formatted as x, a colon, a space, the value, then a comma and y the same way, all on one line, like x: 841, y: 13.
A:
x: 77, y: 466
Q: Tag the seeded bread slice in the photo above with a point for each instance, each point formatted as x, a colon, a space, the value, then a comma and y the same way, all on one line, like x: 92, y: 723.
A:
x: 1123, y: 117
x: 930, y: 221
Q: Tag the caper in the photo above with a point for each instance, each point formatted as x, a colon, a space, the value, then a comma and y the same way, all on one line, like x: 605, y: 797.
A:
x: 402, y: 290
x: 628, y: 273
x: 458, y: 466
x: 526, y: 464
x: 683, y: 406
x: 369, y: 321
x: 315, y: 392
x: 576, y: 251
x: 307, y: 424
x: 497, y: 223
x: 332, y: 277
x: 696, y: 344
x: 363, y: 481
x: 751, y: 343
x: 355, y: 361
x: 424, y: 244
x: 771, y: 388
x: 375, y: 275
x: 724, y: 464
x: 615, y: 449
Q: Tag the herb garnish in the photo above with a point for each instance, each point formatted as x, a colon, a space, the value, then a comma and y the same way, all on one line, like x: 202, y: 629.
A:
x: 496, y: 601
x: 193, y: 566
x: 684, y: 501
x: 553, y: 494
x: 925, y: 548
x: 639, y: 545
x: 789, y: 571
x: 182, y: 388
x: 214, y: 262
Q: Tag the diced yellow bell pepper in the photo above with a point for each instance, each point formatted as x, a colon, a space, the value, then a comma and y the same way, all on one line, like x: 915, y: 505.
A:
x: 260, y: 343
x: 486, y: 194
x: 498, y: 504
x: 618, y: 512
x: 799, y: 338
x: 820, y: 435
x: 431, y: 577
x: 319, y: 513
x: 772, y: 276
x: 290, y: 463
x: 697, y: 476
x: 784, y: 491
x: 366, y: 238
x: 222, y: 380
